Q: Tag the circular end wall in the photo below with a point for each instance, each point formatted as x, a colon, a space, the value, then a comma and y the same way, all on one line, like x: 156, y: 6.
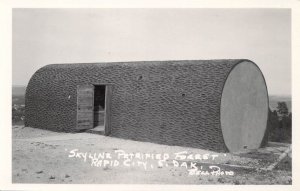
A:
x: 244, y: 108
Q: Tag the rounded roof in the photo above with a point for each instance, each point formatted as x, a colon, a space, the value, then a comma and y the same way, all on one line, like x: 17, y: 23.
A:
x: 182, y: 96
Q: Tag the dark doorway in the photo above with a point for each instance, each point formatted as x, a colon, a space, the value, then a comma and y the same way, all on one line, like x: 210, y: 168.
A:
x: 99, y: 105
x: 93, y: 108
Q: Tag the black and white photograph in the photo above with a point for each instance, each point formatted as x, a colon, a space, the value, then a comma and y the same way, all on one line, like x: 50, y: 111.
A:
x: 151, y: 96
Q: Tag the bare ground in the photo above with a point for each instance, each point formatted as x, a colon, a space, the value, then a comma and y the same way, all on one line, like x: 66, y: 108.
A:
x: 41, y: 156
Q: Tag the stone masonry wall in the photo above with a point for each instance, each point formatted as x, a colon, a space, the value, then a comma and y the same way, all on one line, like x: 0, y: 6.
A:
x: 166, y: 102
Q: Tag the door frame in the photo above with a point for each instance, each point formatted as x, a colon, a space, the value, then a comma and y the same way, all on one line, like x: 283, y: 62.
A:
x: 107, y: 102
x: 107, y: 109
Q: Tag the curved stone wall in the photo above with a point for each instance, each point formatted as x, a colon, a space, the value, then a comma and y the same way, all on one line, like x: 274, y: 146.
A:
x: 167, y: 102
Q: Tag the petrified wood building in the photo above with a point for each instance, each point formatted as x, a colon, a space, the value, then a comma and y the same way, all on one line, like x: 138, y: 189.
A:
x: 219, y: 105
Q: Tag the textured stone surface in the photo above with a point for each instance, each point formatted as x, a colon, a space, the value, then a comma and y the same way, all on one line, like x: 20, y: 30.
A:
x: 167, y: 102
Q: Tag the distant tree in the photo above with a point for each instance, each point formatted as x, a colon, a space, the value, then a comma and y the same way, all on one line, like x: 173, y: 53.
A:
x: 273, y: 126
x: 274, y: 113
x: 289, y: 121
x: 282, y: 110
x: 284, y: 122
x: 280, y: 124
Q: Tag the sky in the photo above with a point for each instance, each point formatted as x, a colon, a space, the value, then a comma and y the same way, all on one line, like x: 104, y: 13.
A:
x: 47, y: 36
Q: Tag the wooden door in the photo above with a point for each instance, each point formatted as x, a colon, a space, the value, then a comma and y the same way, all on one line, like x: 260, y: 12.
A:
x: 85, y: 107
x: 107, y: 121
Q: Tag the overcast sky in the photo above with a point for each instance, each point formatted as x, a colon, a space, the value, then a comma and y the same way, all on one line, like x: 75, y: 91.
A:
x: 46, y: 36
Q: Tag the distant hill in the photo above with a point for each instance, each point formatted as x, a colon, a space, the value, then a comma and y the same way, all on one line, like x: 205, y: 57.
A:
x: 274, y: 99
x: 18, y: 90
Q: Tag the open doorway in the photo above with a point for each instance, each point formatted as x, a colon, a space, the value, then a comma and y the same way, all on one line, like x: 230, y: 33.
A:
x: 93, y: 108
x: 99, y: 105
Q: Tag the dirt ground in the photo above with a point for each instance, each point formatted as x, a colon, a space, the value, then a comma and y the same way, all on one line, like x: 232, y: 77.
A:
x: 41, y: 156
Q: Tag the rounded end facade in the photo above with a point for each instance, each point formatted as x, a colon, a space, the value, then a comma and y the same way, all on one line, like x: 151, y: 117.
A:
x: 244, y: 107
